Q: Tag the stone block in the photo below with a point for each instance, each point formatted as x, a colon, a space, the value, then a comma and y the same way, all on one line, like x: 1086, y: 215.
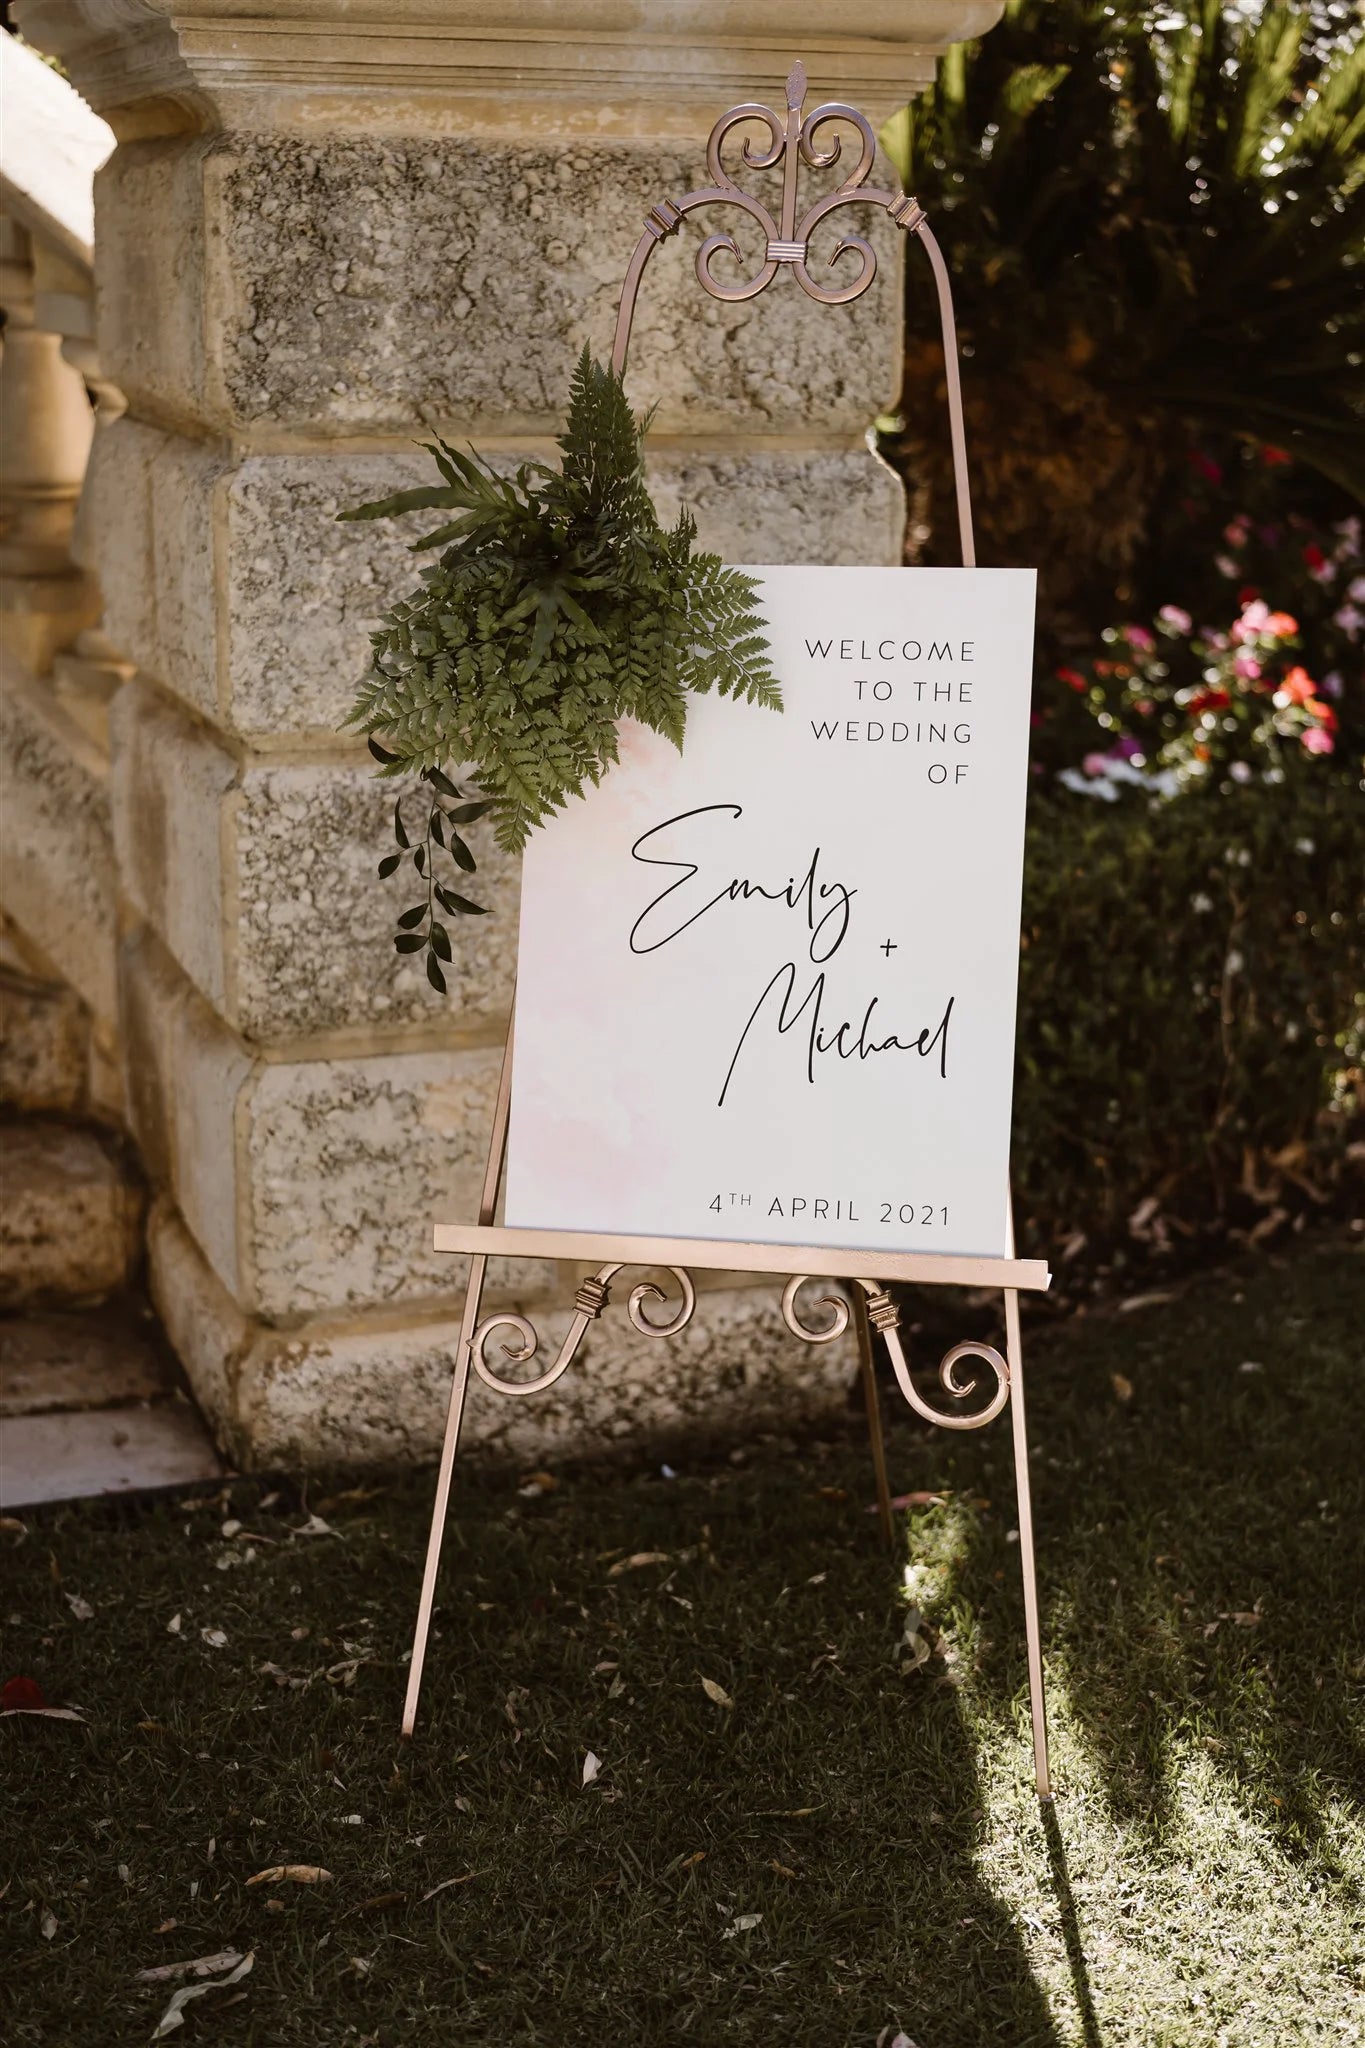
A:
x: 374, y: 1389
x: 314, y: 941
x: 56, y: 849
x: 310, y: 1186
x: 346, y: 1165
x: 185, y: 1075
x: 151, y: 238
x: 113, y: 534
x: 803, y: 505
x: 70, y: 1224
x: 266, y: 630
x: 259, y: 876
x: 169, y: 786
x: 362, y: 283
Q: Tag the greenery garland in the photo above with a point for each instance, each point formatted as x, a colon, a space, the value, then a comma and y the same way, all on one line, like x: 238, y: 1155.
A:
x: 559, y: 605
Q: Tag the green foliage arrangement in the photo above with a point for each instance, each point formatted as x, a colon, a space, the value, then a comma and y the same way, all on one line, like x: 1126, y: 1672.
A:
x: 558, y: 606
x: 1155, y: 220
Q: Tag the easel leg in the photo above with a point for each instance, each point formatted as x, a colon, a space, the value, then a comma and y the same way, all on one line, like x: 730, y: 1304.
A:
x: 867, y: 1372
x: 454, y: 1417
x: 1019, y: 1423
x: 469, y: 1322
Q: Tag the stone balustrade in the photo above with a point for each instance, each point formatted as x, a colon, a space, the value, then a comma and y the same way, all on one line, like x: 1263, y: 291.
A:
x: 318, y: 237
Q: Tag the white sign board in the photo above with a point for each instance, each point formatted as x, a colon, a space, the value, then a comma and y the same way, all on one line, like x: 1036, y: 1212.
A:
x: 766, y: 987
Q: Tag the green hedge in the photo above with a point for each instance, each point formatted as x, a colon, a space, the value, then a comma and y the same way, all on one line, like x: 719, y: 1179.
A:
x: 1190, y: 1006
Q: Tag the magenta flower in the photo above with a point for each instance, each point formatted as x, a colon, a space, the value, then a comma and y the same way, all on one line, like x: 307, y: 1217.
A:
x: 1139, y: 637
x: 1247, y: 667
x: 1317, y: 740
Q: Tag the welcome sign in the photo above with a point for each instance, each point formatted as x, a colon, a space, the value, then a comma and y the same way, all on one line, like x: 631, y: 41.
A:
x: 767, y: 986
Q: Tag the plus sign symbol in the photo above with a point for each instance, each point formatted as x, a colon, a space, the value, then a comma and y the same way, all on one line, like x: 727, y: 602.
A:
x: 889, y: 947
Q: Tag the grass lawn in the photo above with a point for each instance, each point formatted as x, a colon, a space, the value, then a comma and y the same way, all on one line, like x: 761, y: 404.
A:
x: 849, y: 1848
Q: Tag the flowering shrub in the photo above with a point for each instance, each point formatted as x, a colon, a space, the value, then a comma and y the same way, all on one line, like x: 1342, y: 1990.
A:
x: 1263, y: 693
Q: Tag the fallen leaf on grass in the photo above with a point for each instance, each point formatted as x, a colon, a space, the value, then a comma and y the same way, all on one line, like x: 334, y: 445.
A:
x: 915, y: 1647
x: 535, y: 1483
x: 741, y: 1924
x: 199, y: 1966
x: 633, y: 1564
x: 447, y: 1882
x: 173, y: 1625
x: 691, y: 1862
x: 174, y: 2015
x: 379, y: 1902
x: 82, y: 1609
x: 315, y: 1526
x: 10, y: 1525
x: 782, y: 1869
x: 1122, y: 1385
x: 49, y: 1924
x: 591, y: 1766
x: 45, y: 1713
x: 216, y: 1638
x: 716, y: 1692
x: 1152, y: 1300
x: 292, y: 1873
x: 902, y: 1501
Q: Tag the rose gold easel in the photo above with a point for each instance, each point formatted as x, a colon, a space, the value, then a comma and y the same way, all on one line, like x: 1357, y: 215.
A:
x: 791, y: 142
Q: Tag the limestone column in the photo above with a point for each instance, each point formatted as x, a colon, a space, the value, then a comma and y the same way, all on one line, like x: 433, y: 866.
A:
x: 318, y: 237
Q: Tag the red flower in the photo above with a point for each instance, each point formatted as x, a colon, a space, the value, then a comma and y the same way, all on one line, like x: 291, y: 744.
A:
x: 1248, y: 594
x: 1205, y: 466
x: 1274, y: 458
x: 1314, y: 556
x: 1208, y: 700
x: 1073, y: 679
x: 1323, y: 713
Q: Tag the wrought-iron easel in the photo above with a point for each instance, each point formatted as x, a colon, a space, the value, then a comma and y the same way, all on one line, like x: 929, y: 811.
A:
x: 791, y: 142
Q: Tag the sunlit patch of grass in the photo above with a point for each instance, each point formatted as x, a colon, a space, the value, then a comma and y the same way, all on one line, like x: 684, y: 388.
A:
x: 851, y: 1844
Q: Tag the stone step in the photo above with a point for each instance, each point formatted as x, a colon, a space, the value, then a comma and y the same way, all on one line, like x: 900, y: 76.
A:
x: 97, y: 1360
x: 70, y: 1214
x: 91, y: 1404
x: 44, y: 1044
x: 86, y: 1455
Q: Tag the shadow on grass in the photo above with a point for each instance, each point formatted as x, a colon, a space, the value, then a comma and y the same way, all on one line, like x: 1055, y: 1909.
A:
x: 1071, y: 1927
x: 1217, y: 1594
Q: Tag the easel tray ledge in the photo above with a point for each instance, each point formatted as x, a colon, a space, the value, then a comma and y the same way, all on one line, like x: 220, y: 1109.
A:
x: 929, y: 1269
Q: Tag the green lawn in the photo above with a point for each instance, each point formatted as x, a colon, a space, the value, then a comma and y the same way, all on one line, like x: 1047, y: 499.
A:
x: 850, y: 1847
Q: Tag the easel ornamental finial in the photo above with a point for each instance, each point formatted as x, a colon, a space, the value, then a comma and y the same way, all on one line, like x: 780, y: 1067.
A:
x: 792, y: 142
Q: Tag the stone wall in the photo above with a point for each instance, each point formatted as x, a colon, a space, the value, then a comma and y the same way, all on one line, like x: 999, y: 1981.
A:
x: 315, y: 241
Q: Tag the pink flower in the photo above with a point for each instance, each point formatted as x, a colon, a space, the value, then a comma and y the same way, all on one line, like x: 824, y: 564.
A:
x: 1096, y: 764
x: 1252, y: 620
x: 1281, y: 626
x: 1236, y: 531
x: 1246, y: 666
x: 1171, y: 615
x: 1316, y: 739
x: 1139, y: 637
